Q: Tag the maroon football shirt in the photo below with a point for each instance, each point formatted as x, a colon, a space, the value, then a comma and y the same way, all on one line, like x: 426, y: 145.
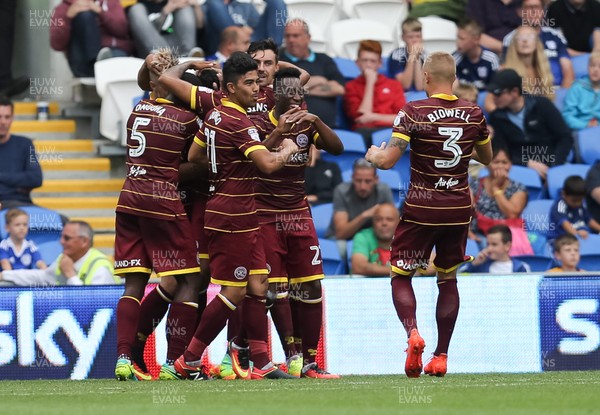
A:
x: 442, y: 131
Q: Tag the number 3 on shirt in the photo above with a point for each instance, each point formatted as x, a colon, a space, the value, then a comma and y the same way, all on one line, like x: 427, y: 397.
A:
x: 138, y: 136
x: 450, y: 145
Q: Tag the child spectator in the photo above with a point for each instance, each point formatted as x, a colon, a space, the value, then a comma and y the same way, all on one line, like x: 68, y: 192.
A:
x: 466, y: 91
x: 566, y: 251
x: 372, y: 100
x: 568, y: 214
x: 16, y: 252
x: 474, y: 63
x: 404, y: 63
x: 494, y: 258
x: 582, y: 104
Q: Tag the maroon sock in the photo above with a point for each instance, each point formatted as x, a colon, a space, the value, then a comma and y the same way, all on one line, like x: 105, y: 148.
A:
x: 446, y: 313
x: 255, y: 325
x: 312, y: 320
x: 202, y: 299
x: 295, y: 308
x: 213, y: 320
x: 128, y: 313
x: 405, y: 302
x: 234, y: 324
x: 282, y: 318
x: 181, y: 323
x: 152, y: 310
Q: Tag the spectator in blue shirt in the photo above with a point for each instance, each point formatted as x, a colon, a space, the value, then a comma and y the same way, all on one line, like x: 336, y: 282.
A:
x: 555, y: 44
x: 569, y: 214
x: 220, y: 14
x: 20, y: 171
x: 405, y: 63
x: 582, y: 104
x: 474, y: 64
x: 495, y: 258
x: 16, y: 252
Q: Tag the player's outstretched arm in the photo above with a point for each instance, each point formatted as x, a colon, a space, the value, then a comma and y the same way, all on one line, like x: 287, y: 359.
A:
x: 384, y: 157
x: 328, y: 140
x: 171, y: 79
x: 483, y: 153
x: 268, y: 162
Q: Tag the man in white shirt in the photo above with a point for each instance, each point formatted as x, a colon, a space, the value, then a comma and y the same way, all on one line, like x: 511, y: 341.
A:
x: 79, y: 264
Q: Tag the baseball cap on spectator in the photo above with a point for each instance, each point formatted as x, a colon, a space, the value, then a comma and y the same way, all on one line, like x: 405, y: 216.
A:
x: 503, y: 80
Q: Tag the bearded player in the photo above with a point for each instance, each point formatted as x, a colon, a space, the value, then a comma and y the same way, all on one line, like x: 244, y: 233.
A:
x: 444, y: 133
x: 287, y: 230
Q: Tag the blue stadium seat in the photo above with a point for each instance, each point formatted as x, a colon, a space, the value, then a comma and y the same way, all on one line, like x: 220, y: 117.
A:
x: 537, y: 263
x: 349, y: 245
x: 580, y: 65
x: 557, y: 175
x: 347, y: 68
x: 383, y: 68
x: 341, y: 120
x: 393, y: 180
x: 414, y: 95
x: 590, y: 246
x: 44, y: 224
x: 590, y: 262
x: 559, y: 97
x: 332, y: 263
x: 589, y: 148
x: 537, y: 216
x: 472, y: 248
x: 322, y: 215
x: 526, y: 176
x: 354, y: 148
x: 50, y: 250
x: 380, y: 136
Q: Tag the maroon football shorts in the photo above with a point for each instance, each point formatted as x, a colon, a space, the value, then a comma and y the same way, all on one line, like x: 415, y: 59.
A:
x: 292, y: 251
x: 234, y: 257
x: 145, y: 244
x: 413, y: 243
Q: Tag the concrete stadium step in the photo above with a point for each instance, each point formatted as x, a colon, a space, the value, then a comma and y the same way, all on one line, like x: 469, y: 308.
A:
x: 99, y: 223
x: 62, y: 174
x: 74, y: 212
x: 54, y: 162
x: 29, y: 109
x: 44, y: 130
x: 65, y: 146
x: 61, y: 203
x: 79, y: 186
x: 50, y: 126
x: 104, y: 240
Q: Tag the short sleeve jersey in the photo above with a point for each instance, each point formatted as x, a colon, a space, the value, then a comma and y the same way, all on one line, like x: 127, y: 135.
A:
x: 230, y: 137
x: 25, y: 258
x: 442, y: 131
x: 284, y: 190
x: 157, y: 133
x: 265, y: 101
x: 204, y: 99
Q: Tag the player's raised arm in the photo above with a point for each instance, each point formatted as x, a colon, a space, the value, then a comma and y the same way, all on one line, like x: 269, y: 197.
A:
x: 384, y: 157
x: 304, y: 75
x: 483, y: 152
x: 268, y: 162
x: 327, y: 140
x: 171, y: 79
x: 143, y: 77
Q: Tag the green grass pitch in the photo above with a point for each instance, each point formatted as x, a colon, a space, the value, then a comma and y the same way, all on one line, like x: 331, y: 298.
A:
x: 545, y: 393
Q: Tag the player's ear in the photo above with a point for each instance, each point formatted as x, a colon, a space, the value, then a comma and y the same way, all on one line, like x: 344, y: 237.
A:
x: 230, y: 87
